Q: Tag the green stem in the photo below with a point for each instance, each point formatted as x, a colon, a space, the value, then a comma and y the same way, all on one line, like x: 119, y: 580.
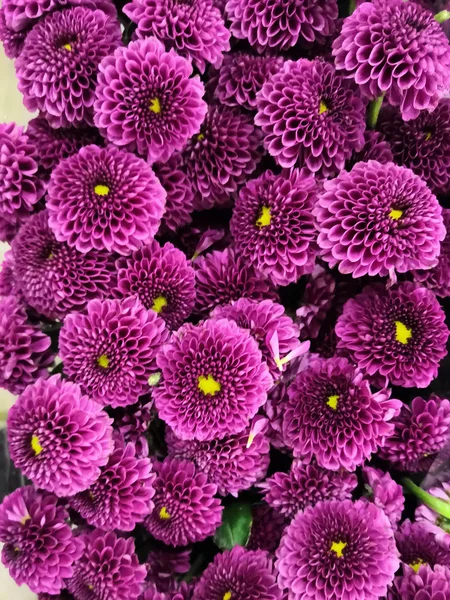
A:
x: 351, y: 7
x: 442, y: 16
x: 437, y: 504
x: 374, y: 111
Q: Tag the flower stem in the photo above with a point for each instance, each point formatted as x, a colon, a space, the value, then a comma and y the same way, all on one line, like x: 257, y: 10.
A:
x: 374, y: 111
x: 437, y: 504
x: 351, y: 7
x: 442, y: 16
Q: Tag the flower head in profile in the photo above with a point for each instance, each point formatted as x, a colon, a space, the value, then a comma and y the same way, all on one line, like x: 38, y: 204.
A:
x: 180, y: 195
x: 385, y: 493
x: 429, y: 583
x: 437, y: 278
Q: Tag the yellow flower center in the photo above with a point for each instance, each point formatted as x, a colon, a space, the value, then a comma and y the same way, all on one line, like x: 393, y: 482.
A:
x: 332, y: 402
x: 402, y: 333
x: 103, y: 361
x: 322, y: 107
x: 36, y: 445
x: 338, y: 548
x: 24, y: 519
x: 415, y: 566
x: 163, y: 514
x: 159, y: 303
x: 208, y: 385
x: 67, y: 47
x: 101, y: 190
x: 427, y: 135
x: 200, y: 137
x: 227, y: 596
x: 395, y: 214
x: 264, y: 218
x: 155, y: 106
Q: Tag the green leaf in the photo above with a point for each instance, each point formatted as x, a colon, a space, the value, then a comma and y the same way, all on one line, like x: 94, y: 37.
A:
x: 235, y: 528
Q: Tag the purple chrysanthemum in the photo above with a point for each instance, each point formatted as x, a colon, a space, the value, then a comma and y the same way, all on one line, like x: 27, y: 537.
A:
x: 195, y: 30
x: 182, y: 592
x: 224, y: 276
x: 397, y: 334
x: 8, y: 230
x: 180, y: 195
x: 121, y: 496
x: 185, y: 508
x: 57, y: 68
x: 12, y: 40
x: 338, y: 550
x: 24, y: 350
x: 242, y: 76
x: 375, y: 148
x: 311, y: 117
x: 233, y: 463
x: 426, y: 584
x: 105, y: 198
x: 280, y: 25
x: 417, y: 546
x: 54, y: 278
x: 421, y: 431
x: 305, y: 485
x: 267, y: 528
x: 132, y: 426
x: 437, y: 524
x: 7, y: 278
x: 58, y: 437
x: 379, y: 219
x: 385, y: 493
x: 221, y: 157
x: 331, y: 414
x: 423, y: 144
x: 262, y: 319
x: 163, y: 280
x: 214, y: 380
x: 396, y: 49
x: 20, y: 187
x: 108, y: 568
x: 239, y: 574
x: 273, y: 226
x: 164, y: 567
x: 316, y: 303
x: 110, y: 349
x: 147, y: 100
x: 437, y: 279
x: 39, y: 547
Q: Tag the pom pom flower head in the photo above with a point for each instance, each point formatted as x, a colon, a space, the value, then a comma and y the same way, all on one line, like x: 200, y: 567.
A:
x: 217, y: 383
x: 58, y: 437
x: 104, y: 198
x: 39, y: 548
x: 385, y: 493
x: 377, y: 220
x: 396, y: 49
x: 311, y: 117
x: 397, y: 334
x: 417, y: 547
x: 147, y: 101
x: 429, y: 583
x: 110, y: 350
x: 180, y: 195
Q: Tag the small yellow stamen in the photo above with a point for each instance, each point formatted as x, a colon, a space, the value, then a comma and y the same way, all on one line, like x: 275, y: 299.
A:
x: 163, y: 514
x: 101, y: 190
x: 154, y: 379
x: 427, y: 135
x: 322, y: 107
x: 415, y: 566
x: 332, y: 402
x: 24, y: 519
x: 35, y: 445
x: 91, y: 496
x: 159, y: 303
x: 402, y: 333
x: 90, y: 587
x: 395, y: 214
x: 67, y: 47
x: 200, y: 137
x: 338, y: 548
x: 50, y: 256
x: 264, y: 218
x: 208, y: 385
x: 227, y: 596
x: 16, y: 549
x: 155, y: 106
x: 103, y: 361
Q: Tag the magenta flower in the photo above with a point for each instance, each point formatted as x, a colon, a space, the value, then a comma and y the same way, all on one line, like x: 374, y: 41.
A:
x: 165, y: 565
x: 432, y: 584
x: 267, y: 528
x: 12, y: 40
x: 316, y: 303
x: 375, y: 148
x: 433, y: 521
x: 385, y: 493
x: 417, y: 547
x: 180, y: 195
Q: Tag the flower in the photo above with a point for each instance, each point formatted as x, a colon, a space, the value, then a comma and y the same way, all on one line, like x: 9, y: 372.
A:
x: 267, y: 528
x: 147, y: 101
x: 375, y: 148
x: 223, y: 276
x: 221, y: 157
x: 185, y: 508
x: 421, y: 432
x: 109, y: 568
x: 121, y: 496
x: 233, y: 463
x: 39, y: 547
x: 24, y: 350
x: 316, y: 303
x: 385, y: 493
x: 432, y: 584
x: 242, y: 76
x: 417, y: 546
x: 57, y: 68
x: 7, y: 278
x: 12, y: 41
x: 397, y: 334
x: 132, y: 426
x: 183, y: 592
x: 110, y: 349
x: 279, y: 25
x: 180, y: 196
x: 163, y: 280
x: 434, y: 522
x: 56, y: 144
x: 164, y: 565
x: 20, y: 188
x: 104, y: 198
x: 332, y: 415
x: 379, y: 219
x: 311, y: 117
x: 58, y: 437
x: 437, y: 278
x: 305, y: 485
x: 396, y: 49
x: 273, y: 226
x: 8, y: 230
x: 336, y: 546
x: 214, y: 380
x: 54, y: 278
x: 195, y: 30
x: 262, y: 319
x: 239, y: 574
